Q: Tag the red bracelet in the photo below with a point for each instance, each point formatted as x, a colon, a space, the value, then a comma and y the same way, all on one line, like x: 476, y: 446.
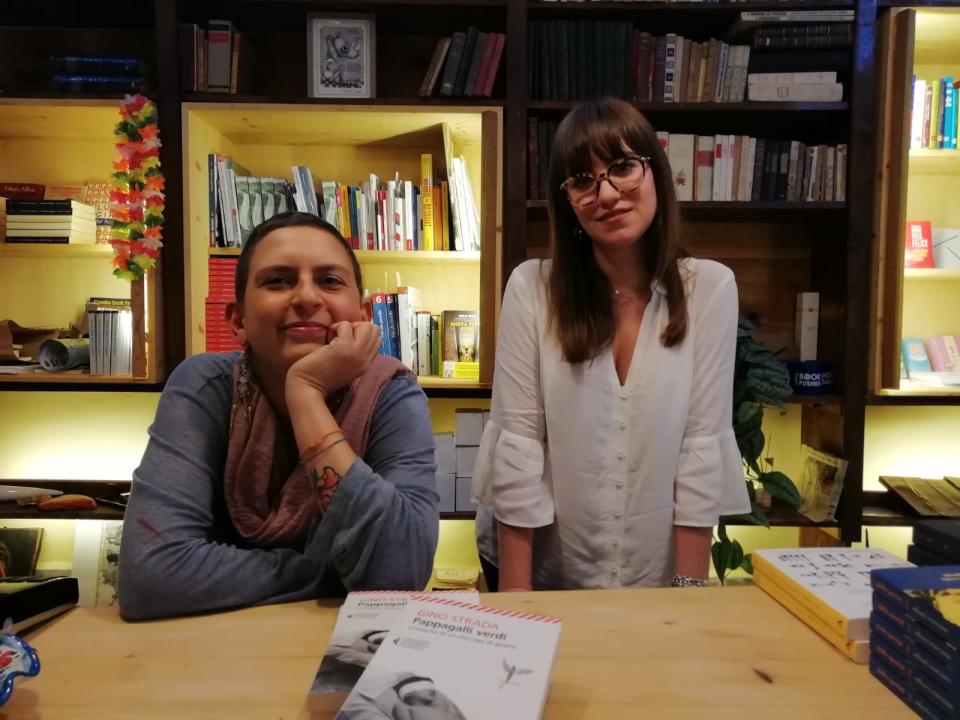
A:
x: 319, y: 443
x: 305, y: 458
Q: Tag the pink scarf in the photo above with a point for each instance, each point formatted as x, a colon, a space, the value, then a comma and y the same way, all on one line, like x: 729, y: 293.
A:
x: 269, y: 505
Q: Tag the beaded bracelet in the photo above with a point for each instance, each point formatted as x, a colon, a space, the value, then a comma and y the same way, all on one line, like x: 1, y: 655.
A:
x: 304, y: 460
x: 319, y: 443
x: 687, y: 581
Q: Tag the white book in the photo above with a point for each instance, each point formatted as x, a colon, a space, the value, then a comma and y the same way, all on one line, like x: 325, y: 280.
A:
x: 681, y: 156
x: 832, y: 582
x: 449, y: 659
x: 717, y: 191
x: 704, y: 168
x: 409, y: 200
x: 729, y: 147
x: 787, y: 78
x: 796, y: 92
x: 916, y: 119
x: 409, y: 301
x: 422, y: 321
x: 362, y: 624
x: 739, y: 89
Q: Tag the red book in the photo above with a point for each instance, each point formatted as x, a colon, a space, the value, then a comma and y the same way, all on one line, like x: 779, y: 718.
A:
x: 494, y: 65
x: 918, y: 244
x: 22, y: 191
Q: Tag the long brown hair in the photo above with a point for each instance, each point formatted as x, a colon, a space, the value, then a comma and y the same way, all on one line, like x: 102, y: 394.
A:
x: 580, y: 295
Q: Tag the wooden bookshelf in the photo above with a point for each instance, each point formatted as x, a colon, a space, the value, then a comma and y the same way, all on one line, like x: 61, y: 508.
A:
x: 916, y: 184
x: 346, y: 142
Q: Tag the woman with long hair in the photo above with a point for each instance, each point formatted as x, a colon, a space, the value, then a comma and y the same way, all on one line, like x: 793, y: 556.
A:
x: 610, y: 453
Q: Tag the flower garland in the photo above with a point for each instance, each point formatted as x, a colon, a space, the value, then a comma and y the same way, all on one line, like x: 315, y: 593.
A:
x: 136, y: 190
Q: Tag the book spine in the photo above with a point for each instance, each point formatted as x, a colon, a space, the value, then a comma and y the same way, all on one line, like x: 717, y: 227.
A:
x: 219, y: 55
x: 838, y: 623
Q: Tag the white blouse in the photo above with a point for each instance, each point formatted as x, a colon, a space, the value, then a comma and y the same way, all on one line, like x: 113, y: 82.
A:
x: 605, y: 471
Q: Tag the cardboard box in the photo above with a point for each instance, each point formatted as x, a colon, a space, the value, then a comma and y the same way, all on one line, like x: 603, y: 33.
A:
x: 445, y: 453
x: 469, y: 426
x: 464, y: 503
x: 466, y: 459
x: 447, y: 488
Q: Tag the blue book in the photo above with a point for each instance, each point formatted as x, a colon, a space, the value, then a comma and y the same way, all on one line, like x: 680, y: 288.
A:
x: 381, y: 318
x: 879, y: 627
x: 931, y: 595
x: 393, y: 327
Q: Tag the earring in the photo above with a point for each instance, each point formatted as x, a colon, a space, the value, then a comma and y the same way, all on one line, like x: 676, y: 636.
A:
x: 579, y: 233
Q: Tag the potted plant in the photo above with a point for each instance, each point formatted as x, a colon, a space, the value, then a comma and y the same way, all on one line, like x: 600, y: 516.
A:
x: 760, y: 380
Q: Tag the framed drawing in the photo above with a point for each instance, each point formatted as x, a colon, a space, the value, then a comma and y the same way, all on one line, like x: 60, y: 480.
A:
x: 19, y: 551
x: 341, y: 53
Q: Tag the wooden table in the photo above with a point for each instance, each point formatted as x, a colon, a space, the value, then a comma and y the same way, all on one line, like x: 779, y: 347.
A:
x: 666, y: 653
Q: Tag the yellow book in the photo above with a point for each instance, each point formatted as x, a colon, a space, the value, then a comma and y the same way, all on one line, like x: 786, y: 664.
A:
x: 445, y: 204
x: 856, y: 650
x: 833, y: 583
x: 343, y: 212
x: 426, y: 200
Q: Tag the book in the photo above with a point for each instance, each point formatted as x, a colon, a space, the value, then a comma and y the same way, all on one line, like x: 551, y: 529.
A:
x: 460, y: 336
x: 433, y: 70
x: 451, y: 659
x: 21, y: 191
x: 918, y: 244
x: 939, y: 536
x: 28, y: 601
x: 933, y: 497
x: 930, y: 595
x: 832, y: 583
x: 820, y: 484
x: 362, y: 623
x: 856, y: 650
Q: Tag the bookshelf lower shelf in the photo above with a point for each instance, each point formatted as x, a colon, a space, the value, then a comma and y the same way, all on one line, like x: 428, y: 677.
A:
x: 43, y: 251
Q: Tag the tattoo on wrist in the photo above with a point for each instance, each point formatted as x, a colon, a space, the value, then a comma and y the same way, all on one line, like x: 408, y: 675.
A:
x: 325, y: 482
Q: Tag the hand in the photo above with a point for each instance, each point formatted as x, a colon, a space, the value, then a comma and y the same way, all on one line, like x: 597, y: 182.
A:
x: 354, y: 346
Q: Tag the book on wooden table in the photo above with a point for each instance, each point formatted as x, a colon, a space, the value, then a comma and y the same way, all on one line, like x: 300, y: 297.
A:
x: 362, y: 624
x: 449, y: 659
x: 831, y: 583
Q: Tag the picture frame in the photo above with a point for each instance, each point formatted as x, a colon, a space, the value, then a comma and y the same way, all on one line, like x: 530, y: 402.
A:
x: 341, y: 55
x: 19, y: 551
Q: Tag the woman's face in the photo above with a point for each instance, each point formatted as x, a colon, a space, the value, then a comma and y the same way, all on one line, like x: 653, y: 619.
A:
x: 614, y: 218
x: 300, y: 282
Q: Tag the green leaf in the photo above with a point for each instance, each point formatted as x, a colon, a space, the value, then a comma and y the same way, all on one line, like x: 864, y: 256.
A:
x: 756, y: 517
x: 747, y: 563
x: 720, y: 551
x: 736, y: 556
x: 781, y: 487
x: 722, y: 531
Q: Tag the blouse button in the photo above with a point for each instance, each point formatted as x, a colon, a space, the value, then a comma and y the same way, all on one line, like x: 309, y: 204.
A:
x: 623, y: 426
x: 620, y: 456
x: 623, y: 398
x: 616, y: 543
x: 619, y: 483
x: 617, y: 515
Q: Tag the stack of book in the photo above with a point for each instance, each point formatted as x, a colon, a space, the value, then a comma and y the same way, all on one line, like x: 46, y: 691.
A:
x: 826, y: 588
x: 220, y: 292
x: 796, y: 29
x: 50, y: 221
x: 794, y: 87
x: 467, y: 62
x: 915, y: 641
x: 936, y: 542
x: 98, y: 74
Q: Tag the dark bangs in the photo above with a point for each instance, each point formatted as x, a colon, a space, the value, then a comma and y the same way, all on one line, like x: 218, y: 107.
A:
x: 601, y: 129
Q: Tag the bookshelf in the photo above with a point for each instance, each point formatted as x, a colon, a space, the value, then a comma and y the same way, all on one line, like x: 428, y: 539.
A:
x: 918, y: 183
x: 346, y: 142
x: 67, y: 141
x: 775, y: 248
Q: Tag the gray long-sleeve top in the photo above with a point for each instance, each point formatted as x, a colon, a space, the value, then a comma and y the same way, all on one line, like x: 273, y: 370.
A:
x: 181, y: 554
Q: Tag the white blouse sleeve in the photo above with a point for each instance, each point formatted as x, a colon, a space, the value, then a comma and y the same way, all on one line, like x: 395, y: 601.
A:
x: 509, y: 472
x: 710, y: 479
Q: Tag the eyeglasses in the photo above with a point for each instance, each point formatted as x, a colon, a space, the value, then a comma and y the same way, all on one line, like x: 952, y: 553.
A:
x: 624, y: 175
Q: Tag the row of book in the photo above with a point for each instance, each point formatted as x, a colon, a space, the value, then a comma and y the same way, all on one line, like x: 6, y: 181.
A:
x: 724, y: 167
x: 467, y: 62
x: 669, y: 68
x: 209, y: 57
x: 438, y: 654
x: 933, y: 120
x: 94, y: 73
x: 377, y: 214
x: 934, y: 361
x: 925, y: 246
x: 915, y: 623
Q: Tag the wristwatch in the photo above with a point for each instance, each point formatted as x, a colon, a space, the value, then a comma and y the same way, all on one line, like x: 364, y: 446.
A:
x: 687, y: 581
